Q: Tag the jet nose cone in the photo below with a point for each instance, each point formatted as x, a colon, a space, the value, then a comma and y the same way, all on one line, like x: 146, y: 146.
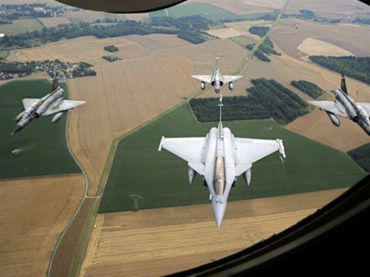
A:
x: 17, y: 129
x: 219, y: 208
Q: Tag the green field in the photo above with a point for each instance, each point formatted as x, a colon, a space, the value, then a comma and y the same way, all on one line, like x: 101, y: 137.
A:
x: 362, y: 156
x: 161, y: 178
x: 205, y: 10
x: 21, y: 26
x: 41, y: 146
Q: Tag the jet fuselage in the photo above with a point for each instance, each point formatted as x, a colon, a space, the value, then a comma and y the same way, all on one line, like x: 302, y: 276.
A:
x: 217, y: 80
x: 38, y: 108
x: 219, y: 168
x: 355, y: 112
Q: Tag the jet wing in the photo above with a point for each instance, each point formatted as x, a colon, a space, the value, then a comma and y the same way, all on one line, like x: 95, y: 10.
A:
x: 330, y: 106
x: 365, y: 106
x: 203, y: 78
x: 27, y: 102
x: 248, y: 151
x: 188, y: 149
x: 230, y: 78
x: 63, y: 106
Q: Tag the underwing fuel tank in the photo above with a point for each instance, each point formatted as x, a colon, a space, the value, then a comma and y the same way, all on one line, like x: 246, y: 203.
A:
x: 247, y: 176
x: 333, y: 119
x: 191, y: 175
x: 57, y: 117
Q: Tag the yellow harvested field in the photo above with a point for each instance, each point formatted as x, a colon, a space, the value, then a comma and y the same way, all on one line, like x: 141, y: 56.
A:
x: 53, y: 21
x: 291, y: 32
x: 312, y: 46
x: 317, y: 126
x: 33, y: 213
x: 127, y: 93
x: 163, y: 241
x: 224, y: 33
x: 87, y: 49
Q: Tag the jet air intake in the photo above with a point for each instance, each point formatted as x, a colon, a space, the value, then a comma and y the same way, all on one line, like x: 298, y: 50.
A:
x: 202, y: 85
x: 333, y: 119
x: 231, y: 86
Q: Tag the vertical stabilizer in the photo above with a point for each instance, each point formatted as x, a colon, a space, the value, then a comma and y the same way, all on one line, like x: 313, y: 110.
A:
x: 343, y: 85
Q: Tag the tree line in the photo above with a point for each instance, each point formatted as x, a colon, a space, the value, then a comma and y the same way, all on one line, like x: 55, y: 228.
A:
x: 266, y: 99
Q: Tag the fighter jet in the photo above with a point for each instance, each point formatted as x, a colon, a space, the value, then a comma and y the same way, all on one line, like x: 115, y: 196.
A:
x: 345, y: 106
x: 217, y: 80
x: 51, y: 103
x: 220, y: 158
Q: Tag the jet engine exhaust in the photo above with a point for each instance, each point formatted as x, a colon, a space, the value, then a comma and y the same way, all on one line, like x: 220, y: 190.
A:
x: 333, y: 119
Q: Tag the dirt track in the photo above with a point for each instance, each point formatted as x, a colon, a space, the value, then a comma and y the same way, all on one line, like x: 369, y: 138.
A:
x: 33, y: 213
x: 162, y: 241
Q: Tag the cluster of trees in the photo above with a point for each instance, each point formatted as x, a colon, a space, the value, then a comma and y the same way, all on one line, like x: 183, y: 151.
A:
x: 83, y: 69
x: 190, y: 30
x: 18, y: 68
x: 71, y: 31
x: 259, y: 30
x: 111, y: 48
x: 309, y: 15
x: 355, y: 67
x: 308, y: 88
x: 190, y: 23
x: 362, y: 156
x: 265, y: 49
x: 266, y: 99
x: 261, y: 56
x: 111, y: 58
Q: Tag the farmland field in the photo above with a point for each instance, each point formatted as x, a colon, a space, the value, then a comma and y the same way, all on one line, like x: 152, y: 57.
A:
x: 37, y: 144
x: 21, y: 26
x: 161, y: 178
x: 135, y: 243
x: 206, y: 10
x: 33, y: 213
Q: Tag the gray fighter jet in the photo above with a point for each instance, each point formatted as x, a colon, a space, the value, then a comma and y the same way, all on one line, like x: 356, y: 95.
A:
x: 51, y: 103
x: 345, y: 106
x: 217, y: 80
x: 220, y: 158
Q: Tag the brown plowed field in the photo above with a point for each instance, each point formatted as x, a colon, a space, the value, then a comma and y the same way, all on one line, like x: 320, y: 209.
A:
x: 162, y: 241
x: 33, y: 213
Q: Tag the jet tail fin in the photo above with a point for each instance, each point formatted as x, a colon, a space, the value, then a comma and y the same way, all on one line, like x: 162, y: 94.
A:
x: 343, y: 85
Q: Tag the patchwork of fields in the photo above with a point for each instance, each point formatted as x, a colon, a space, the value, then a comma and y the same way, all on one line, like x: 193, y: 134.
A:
x: 152, y: 77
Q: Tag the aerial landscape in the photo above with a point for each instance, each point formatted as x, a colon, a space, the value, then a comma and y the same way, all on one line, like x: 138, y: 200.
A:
x: 86, y: 193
